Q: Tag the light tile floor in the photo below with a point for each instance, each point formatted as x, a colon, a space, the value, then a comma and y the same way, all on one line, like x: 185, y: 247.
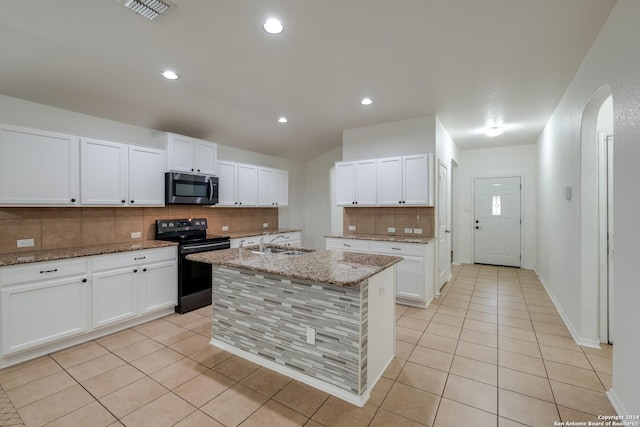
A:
x: 492, y: 351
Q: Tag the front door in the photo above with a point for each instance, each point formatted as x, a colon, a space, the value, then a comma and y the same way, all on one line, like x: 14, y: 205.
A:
x: 497, y: 221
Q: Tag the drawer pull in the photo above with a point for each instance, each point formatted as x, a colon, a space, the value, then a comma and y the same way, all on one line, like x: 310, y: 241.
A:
x: 140, y: 257
x: 84, y: 280
x: 348, y: 246
x: 397, y: 249
x: 48, y: 271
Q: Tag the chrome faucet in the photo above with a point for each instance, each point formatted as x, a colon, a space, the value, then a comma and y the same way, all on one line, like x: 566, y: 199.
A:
x: 261, y: 244
x: 273, y: 240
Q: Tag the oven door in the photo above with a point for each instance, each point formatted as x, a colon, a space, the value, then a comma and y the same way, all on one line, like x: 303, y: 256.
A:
x: 187, y: 189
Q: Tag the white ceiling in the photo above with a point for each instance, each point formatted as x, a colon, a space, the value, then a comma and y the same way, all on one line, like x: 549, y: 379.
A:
x: 467, y: 61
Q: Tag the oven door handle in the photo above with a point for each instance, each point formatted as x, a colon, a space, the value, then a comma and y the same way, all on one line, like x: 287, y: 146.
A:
x: 205, y: 246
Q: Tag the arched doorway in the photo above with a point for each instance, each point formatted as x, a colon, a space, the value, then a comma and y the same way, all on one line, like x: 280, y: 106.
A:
x: 596, y: 266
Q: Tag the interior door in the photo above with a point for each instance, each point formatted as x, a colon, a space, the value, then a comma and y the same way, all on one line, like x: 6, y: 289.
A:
x: 497, y: 221
x: 444, y: 261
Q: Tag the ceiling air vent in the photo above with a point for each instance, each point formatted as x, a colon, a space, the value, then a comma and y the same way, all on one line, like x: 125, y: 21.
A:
x: 150, y: 9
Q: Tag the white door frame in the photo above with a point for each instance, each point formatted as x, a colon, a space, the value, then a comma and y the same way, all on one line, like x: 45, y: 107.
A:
x: 447, y: 229
x: 473, y: 211
x: 605, y: 240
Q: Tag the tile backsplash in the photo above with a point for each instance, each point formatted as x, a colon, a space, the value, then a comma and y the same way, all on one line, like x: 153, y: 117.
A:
x: 55, y: 228
x: 379, y: 220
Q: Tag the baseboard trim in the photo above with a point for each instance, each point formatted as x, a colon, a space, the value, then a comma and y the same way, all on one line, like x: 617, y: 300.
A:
x: 574, y: 334
x: 616, y: 403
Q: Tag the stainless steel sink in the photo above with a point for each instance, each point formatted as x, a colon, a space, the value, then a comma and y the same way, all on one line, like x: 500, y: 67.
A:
x: 281, y: 251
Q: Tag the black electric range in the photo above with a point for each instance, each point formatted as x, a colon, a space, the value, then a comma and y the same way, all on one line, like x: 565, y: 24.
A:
x: 194, y: 278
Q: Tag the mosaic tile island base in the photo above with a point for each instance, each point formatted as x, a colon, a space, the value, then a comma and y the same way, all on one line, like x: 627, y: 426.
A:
x: 325, y: 318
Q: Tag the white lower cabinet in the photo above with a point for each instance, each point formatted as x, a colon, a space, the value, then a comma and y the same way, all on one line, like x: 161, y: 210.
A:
x: 134, y: 283
x: 414, y: 274
x: 42, y: 304
x: 45, y: 303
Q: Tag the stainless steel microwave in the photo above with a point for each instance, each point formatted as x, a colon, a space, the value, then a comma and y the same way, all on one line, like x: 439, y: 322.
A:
x: 188, y: 189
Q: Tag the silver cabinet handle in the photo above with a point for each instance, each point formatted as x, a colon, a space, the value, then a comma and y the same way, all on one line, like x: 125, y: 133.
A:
x: 397, y: 249
x: 348, y: 246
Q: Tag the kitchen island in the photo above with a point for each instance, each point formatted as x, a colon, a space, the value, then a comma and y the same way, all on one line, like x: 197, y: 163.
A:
x: 325, y: 318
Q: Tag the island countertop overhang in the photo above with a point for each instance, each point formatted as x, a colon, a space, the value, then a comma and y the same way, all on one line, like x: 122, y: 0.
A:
x: 322, y: 266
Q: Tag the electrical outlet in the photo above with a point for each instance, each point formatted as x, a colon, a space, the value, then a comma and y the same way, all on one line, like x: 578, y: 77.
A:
x: 225, y: 228
x: 136, y: 235
x: 408, y: 231
x: 25, y: 243
x: 265, y: 225
x: 391, y: 230
x: 311, y: 336
x: 417, y: 231
x: 352, y: 228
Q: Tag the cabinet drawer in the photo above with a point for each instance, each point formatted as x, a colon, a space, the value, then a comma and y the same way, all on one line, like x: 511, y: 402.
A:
x: 399, y: 249
x: 41, y: 271
x: 348, y: 245
x: 111, y: 261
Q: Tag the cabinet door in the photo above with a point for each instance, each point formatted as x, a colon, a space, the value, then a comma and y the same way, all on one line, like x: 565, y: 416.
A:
x: 43, y: 312
x: 345, y: 183
x: 206, y: 158
x: 281, y: 193
x: 227, y: 183
x: 146, y: 176
x: 247, y: 185
x: 115, y: 296
x: 38, y: 167
x: 103, y: 172
x: 416, y: 180
x: 366, y: 177
x: 266, y: 180
x: 158, y: 286
x: 410, y: 281
x: 390, y: 181
x: 180, y: 153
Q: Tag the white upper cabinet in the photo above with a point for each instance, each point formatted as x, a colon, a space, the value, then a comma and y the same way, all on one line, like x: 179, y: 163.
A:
x: 227, y: 183
x: 146, y: 176
x: 114, y: 174
x: 104, y: 171
x: 244, y: 185
x: 405, y: 180
x: 38, y: 167
x: 356, y: 183
x: 247, y: 185
x: 190, y: 155
x: 281, y: 190
x: 266, y: 184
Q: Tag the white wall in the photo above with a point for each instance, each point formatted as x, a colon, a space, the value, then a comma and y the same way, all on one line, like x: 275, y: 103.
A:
x: 517, y: 160
x: 613, y: 61
x: 402, y: 137
x: 30, y: 114
x: 317, y: 198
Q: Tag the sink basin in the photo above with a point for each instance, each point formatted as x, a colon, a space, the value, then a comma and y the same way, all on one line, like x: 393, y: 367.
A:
x: 280, y: 251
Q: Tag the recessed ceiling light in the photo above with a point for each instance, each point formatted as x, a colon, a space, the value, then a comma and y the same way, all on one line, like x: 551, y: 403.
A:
x: 366, y: 101
x: 273, y: 26
x: 283, y: 120
x: 171, y: 75
x: 493, y: 130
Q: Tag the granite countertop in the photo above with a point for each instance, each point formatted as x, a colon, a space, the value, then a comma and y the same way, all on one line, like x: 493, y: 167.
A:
x: 67, y: 253
x: 262, y: 232
x: 384, y: 238
x: 322, y: 266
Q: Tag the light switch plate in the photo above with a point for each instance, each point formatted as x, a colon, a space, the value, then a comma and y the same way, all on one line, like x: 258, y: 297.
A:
x: 408, y: 230
x: 352, y: 228
x: 265, y: 225
x: 225, y: 228
x: 311, y: 336
x: 136, y: 235
x: 25, y: 243
x: 417, y: 231
x: 391, y: 230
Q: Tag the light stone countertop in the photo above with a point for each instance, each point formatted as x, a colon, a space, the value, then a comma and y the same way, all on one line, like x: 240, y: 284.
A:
x: 262, y: 232
x: 321, y: 266
x: 384, y: 238
x: 16, y: 258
